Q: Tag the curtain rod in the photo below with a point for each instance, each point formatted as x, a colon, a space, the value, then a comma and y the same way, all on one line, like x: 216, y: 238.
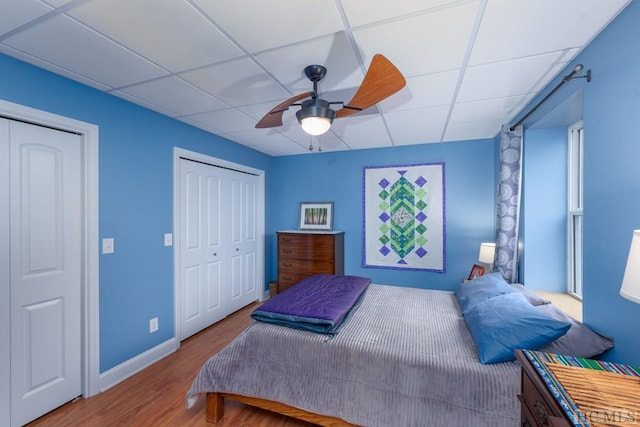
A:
x: 565, y: 79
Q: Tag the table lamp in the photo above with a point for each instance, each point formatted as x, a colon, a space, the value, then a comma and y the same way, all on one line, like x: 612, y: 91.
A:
x: 631, y: 281
x: 487, y: 254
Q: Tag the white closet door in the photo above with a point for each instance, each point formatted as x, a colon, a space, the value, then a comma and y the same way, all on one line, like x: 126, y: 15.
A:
x: 5, y: 294
x: 218, y: 244
x: 45, y: 269
x: 242, y: 217
x: 201, y: 292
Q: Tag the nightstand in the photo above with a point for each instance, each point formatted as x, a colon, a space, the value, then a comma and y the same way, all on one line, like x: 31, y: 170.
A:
x: 570, y: 391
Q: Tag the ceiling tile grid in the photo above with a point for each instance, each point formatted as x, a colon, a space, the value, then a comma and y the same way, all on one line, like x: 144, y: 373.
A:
x: 470, y: 65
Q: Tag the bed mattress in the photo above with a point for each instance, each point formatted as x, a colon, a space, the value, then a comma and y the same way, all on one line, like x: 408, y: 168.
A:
x: 404, y: 358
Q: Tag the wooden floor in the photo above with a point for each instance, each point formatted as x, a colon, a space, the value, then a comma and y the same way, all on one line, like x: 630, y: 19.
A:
x: 155, y: 396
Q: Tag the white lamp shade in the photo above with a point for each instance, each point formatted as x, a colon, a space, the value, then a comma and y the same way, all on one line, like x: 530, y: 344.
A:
x: 631, y: 281
x: 315, y: 125
x: 487, y: 253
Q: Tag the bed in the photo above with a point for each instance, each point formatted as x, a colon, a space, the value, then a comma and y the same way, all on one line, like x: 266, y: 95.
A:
x: 405, y: 357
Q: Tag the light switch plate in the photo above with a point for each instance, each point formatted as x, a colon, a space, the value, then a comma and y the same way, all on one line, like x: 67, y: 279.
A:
x: 108, y: 245
x: 168, y: 239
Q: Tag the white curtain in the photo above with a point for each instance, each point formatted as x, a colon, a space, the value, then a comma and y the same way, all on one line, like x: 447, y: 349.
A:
x: 508, y: 209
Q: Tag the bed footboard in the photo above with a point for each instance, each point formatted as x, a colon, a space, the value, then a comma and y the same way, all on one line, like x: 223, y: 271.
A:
x: 215, y: 410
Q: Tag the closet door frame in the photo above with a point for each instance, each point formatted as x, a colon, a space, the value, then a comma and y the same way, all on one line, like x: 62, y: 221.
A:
x: 90, y: 246
x: 260, y: 221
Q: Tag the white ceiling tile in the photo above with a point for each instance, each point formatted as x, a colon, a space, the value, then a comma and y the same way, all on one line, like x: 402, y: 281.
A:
x: 423, y: 91
x: 418, y: 126
x: 486, y: 110
x: 509, y: 78
x: 168, y: 32
x: 60, y: 40
x: 57, y: 3
x: 360, y: 12
x: 273, y: 23
x: 362, y: 131
x: 329, y: 142
x: 334, y: 52
x: 517, y: 28
x: 38, y: 62
x: 225, y: 121
x: 143, y: 102
x: 18, y: 12
x: 423, y: 44
x: 238, y: 82
x: 476, y: 130
x: 268, y: 141
x: 176, y: 95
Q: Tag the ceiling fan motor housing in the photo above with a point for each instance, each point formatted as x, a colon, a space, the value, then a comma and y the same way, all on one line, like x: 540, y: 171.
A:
x: 315, y: 108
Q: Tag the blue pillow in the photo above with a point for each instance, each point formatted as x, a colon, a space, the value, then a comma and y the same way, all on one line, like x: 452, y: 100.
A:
x: 508, y: 322
x: 480, y: 289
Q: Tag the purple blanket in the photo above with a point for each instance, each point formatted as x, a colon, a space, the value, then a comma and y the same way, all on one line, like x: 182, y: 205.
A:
x: 319, y: 303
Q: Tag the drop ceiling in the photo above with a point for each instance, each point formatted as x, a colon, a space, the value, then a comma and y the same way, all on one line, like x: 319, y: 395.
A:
x: 220, y: 65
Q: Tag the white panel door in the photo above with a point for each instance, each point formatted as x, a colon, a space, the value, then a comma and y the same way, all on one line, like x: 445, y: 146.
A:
x: 218, y: 244
x: 201, y: 292
x: 45, y: 269
x: 243, y: 238
x: 5, y: 294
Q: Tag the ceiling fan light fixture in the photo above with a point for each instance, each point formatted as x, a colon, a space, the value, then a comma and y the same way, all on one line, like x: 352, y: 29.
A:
x: 315, y: 116
x: 315, y: 125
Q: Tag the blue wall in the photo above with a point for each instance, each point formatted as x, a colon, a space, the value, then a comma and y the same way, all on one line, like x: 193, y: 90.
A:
x: 544, y: 210
x: 338, y: 177
x: 612, y: 179
x: 136, y: 199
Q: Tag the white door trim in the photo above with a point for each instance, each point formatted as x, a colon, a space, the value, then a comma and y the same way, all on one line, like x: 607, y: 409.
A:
x: 260, y: 218
x: 90, y: 296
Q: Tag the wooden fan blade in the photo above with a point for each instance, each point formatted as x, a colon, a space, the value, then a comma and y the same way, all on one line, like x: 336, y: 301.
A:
x: 274, y: 117
x: 382, y: 80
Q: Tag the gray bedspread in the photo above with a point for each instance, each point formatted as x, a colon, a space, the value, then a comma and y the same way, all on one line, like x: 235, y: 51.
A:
x: 405, y: 358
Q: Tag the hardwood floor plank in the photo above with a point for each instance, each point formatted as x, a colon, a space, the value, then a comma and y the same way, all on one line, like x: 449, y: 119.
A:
x: 155, y: 396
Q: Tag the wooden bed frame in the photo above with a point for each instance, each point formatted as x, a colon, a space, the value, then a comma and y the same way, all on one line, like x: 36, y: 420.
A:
x: 215, y: 410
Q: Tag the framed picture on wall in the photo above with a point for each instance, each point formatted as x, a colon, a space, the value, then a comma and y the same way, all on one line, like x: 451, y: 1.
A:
x: 316, y: 216
x: 476, y: 271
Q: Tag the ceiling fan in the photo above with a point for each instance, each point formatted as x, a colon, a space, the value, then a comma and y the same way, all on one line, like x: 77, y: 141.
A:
x: 316, y: 115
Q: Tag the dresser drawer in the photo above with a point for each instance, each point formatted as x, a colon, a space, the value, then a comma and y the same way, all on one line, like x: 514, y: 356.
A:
x: 537, y: 410
x: 302, y: 247
x: 306, y: 266
x: 287, y: 279
x: 306, y: 239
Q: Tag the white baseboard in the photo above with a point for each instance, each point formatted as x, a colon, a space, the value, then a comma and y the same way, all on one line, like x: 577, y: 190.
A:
x: 265, y: 296
x: 132, y: 366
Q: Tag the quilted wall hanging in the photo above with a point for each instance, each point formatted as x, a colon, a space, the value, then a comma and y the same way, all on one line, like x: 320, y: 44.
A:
x: 404, y: 217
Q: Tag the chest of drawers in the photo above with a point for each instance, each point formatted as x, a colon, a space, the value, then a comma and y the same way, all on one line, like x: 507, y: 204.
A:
x: 303, y: 254
x: 561, y: 391
x: 538, y: 407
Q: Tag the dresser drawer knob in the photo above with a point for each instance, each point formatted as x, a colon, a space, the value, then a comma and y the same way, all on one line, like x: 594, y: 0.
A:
x: 286, y: 264
x: 541, y: 412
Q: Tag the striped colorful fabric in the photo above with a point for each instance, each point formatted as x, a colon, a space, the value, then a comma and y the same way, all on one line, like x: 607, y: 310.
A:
x: 541, y: 361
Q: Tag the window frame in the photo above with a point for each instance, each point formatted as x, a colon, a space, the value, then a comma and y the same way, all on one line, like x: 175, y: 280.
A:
x: 575, y: 214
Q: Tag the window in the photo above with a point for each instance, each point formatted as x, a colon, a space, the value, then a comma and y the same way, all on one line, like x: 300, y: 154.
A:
x: 574, y: 210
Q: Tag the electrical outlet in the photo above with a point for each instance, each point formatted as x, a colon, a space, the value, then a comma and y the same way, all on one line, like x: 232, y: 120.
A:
x: 153, y: 325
